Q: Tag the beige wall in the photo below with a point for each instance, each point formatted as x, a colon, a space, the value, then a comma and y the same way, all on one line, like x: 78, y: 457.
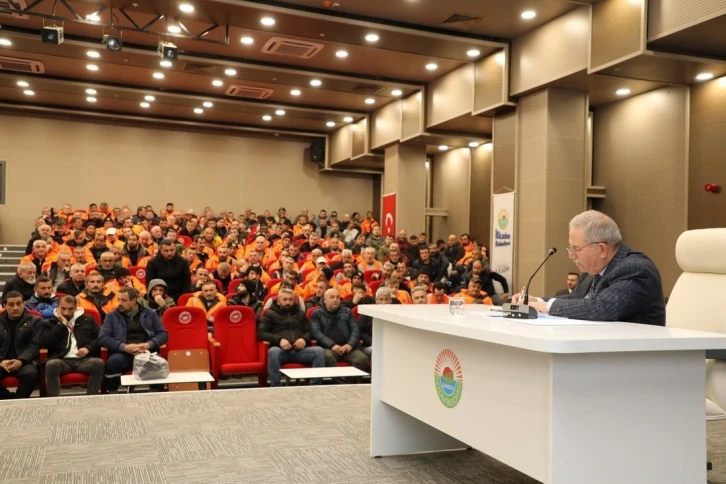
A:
x: 555, y: 50
x: 341, y: 144
x: 52, y: 162
x: 404, y: 174
x: 480, y: 196
x: 490, y: 88
x: 640, y: 157
x: 386, y: 125
x: 668, y: 16
x: 451, y: 182
x: 707, y: 148
x: 618, y: 32
x: 450, y: 96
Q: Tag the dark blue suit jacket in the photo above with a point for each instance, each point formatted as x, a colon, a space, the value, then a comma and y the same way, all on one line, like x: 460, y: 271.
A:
x: 629, y: 290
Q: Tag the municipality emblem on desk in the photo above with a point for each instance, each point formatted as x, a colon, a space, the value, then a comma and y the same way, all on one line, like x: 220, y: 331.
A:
x: 448, y: 378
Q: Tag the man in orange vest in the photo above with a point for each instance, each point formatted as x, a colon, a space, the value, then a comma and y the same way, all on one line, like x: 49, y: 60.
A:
x: 209, y: 301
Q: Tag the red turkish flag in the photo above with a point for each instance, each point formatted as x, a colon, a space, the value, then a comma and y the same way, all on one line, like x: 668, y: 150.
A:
x: 388, y: 223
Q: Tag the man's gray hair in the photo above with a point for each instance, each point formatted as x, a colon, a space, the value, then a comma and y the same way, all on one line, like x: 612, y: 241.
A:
x: 346, y: 252
x: 286, y: 290
x: 225, y: 266
x: 26, y: 266
x: 418, y: 289
x: 38, y: 243
x: 597, y: 227
x: 388, y: 265
x: 78, y: 266
x: 383, y: 291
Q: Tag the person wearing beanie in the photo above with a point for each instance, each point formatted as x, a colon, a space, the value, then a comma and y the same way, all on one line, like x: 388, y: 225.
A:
x: 254, y: 275
x: 245, y: 296
x: 123, y: 278
x: 157, y: 300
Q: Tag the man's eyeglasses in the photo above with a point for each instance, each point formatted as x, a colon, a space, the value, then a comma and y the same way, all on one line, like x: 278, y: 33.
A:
x: 574, y: 249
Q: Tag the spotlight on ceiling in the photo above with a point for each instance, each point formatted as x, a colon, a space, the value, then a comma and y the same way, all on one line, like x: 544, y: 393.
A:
x: 112, y: 42
x: 267, y: 117
x: 316, y: 82
x: 5, y: 42
x: 622, y: 92
x: 396, y: 92
x: 52, y: 34
x: 528, y: 14
x: 443, y: 147
x: 431, y: 66
x: 186, y: 8
x: 473, y: 144
x: 280, y: 112
x: 173, y: 29
x: 217, y: 83
x: 704, y: 76
x: 330, y: 124
x: 22, y: 84
x: 207, y: 104
x: 230, y: 72
x: 348, y: 119
x: 473, y: 53
x: 167, y: 51
x: 372, y: 38
x: 91, y: 92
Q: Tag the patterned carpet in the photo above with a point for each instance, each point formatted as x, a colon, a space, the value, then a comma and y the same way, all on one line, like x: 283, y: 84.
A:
x: 296, y: 435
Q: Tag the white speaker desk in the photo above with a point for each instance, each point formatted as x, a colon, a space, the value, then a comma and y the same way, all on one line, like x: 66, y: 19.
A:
x: 620, y: 403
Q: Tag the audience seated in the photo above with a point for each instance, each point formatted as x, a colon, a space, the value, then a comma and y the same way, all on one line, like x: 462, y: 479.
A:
x: 23, y: 281
x: 286, y: 328
x: 19, y: 347
x: 76, y: 282
x: 71, y: 338
x: 43, y: 300
x: 96, y: 296
x: 335, y: 329
x: 245, y: 296
x: 208, y: 300
x: 156, y: 299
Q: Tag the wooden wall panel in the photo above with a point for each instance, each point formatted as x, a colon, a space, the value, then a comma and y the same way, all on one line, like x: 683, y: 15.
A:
x: 668, y: 16
x: 386, y: 124
x: 412, y: 118
x: 618, y: 32
x: 450, y: 96
x: 490, y: 87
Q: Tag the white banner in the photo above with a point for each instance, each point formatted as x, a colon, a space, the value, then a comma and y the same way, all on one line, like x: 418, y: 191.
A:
x: 501, y: 253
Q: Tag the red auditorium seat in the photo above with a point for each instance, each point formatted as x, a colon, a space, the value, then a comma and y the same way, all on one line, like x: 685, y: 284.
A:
x: 271, y: 283
x: 184, y: 298
x: 187, y: 327
x: 139, y: 273
x: 368, y: 275
x: 238, y: 351
x: 374, y: 286
x: 218, y: 283
x: 186, y: 241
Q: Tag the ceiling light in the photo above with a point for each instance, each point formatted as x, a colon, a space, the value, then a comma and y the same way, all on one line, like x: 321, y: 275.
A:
x: 150, y: 98
x: 443, y: 148
x: 316, y: 82
x: 247, y: 40
x: 158, y: 75
x: 396, y: 92
x: 267, y: 21
x: 186, y: 8
x: 92, y: 67
x: 28, y: 92
x: 93, y: 54
x: 330, y: 124
x: 91, y: 92
x: 207, y: 104
x: 370, y: 100
x: 280, y: 112
x: 528, y: 14
x: 622, y: 92
x: 173, y: 29
x: 198, y: 110
x: 93, y: 17
x: 295, y: 92
x: 473, y: 144
x: 144, y: 105
x: 348, y: 119
x: 473, y: 53
x: 165, y: 63
x: 431, y: 67
x: 112, y: 43
x: 5, y: 42
x: 230, y: 72
x: 91, y: 99
x: 217, y: 83
x: 267, y: 117
x: 372, y: 38
x: 342, y: 54
x: 22, y: 84
x: 704, y: 76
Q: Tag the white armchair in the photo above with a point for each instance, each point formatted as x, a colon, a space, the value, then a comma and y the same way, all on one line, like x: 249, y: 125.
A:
x: 697, y: 302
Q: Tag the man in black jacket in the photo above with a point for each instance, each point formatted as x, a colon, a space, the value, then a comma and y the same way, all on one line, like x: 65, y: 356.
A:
x: 71, y: 338
x: 337, y: 331
x: 285, y: 327
x: 245, y: 296
x: 22, y: 282
x: 171, y: 268
x: 436, y: 272
x: 76, y: 283
x: 18, y: 346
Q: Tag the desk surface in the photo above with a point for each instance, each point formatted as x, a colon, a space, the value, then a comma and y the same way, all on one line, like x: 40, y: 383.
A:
x: 326, y: 372
x: 174, y: 377
x: 613, y: 337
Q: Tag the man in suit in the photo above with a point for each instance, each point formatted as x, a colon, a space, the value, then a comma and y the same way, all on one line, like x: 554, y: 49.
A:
x: 572, y: 278
x: 617, y: 283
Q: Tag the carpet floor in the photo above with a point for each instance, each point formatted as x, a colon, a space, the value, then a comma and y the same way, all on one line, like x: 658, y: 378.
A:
x: 287, y: 435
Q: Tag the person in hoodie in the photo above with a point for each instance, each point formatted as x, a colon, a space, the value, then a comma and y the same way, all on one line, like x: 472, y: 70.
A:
x: 43, y: 300
x: 171, y: 268
x: 19, y: 347
x: 245, y: 296
x: 157, y: 299
x: 126, y: 332
x: 23, y: 281
x: 336, y: 330
x: 71, y: 338
x: 286, y: 328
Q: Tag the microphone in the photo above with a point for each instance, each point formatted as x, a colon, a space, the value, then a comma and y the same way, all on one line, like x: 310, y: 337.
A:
x: 523, y: 311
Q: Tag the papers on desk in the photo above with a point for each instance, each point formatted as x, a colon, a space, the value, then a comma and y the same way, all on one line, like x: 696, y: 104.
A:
x: 542, y: 320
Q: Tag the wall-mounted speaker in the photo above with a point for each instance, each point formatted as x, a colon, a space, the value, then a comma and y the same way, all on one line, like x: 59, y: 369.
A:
x: 317, y: 151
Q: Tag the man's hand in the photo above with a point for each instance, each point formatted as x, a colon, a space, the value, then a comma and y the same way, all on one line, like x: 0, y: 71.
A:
x: 134, y: 349
x: 82, y: 352
x: 13, y: 365
x: 5, y: 364
x: 285, y: 344
x: 517, y: 298
x: 159, y: 299
x: 358, y: 296
x: 338, y: 350
x: 299, y: 344
x: 539, y: 305
x: 347, y: 348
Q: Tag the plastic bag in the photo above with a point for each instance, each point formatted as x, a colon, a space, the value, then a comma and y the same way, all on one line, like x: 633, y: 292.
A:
x: 150, y: 366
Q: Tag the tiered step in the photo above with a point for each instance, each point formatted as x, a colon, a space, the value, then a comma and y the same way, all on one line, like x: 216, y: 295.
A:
x: 10, y: 256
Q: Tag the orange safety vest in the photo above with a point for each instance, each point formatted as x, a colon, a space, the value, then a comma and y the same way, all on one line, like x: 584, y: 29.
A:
x: 196, y: 301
